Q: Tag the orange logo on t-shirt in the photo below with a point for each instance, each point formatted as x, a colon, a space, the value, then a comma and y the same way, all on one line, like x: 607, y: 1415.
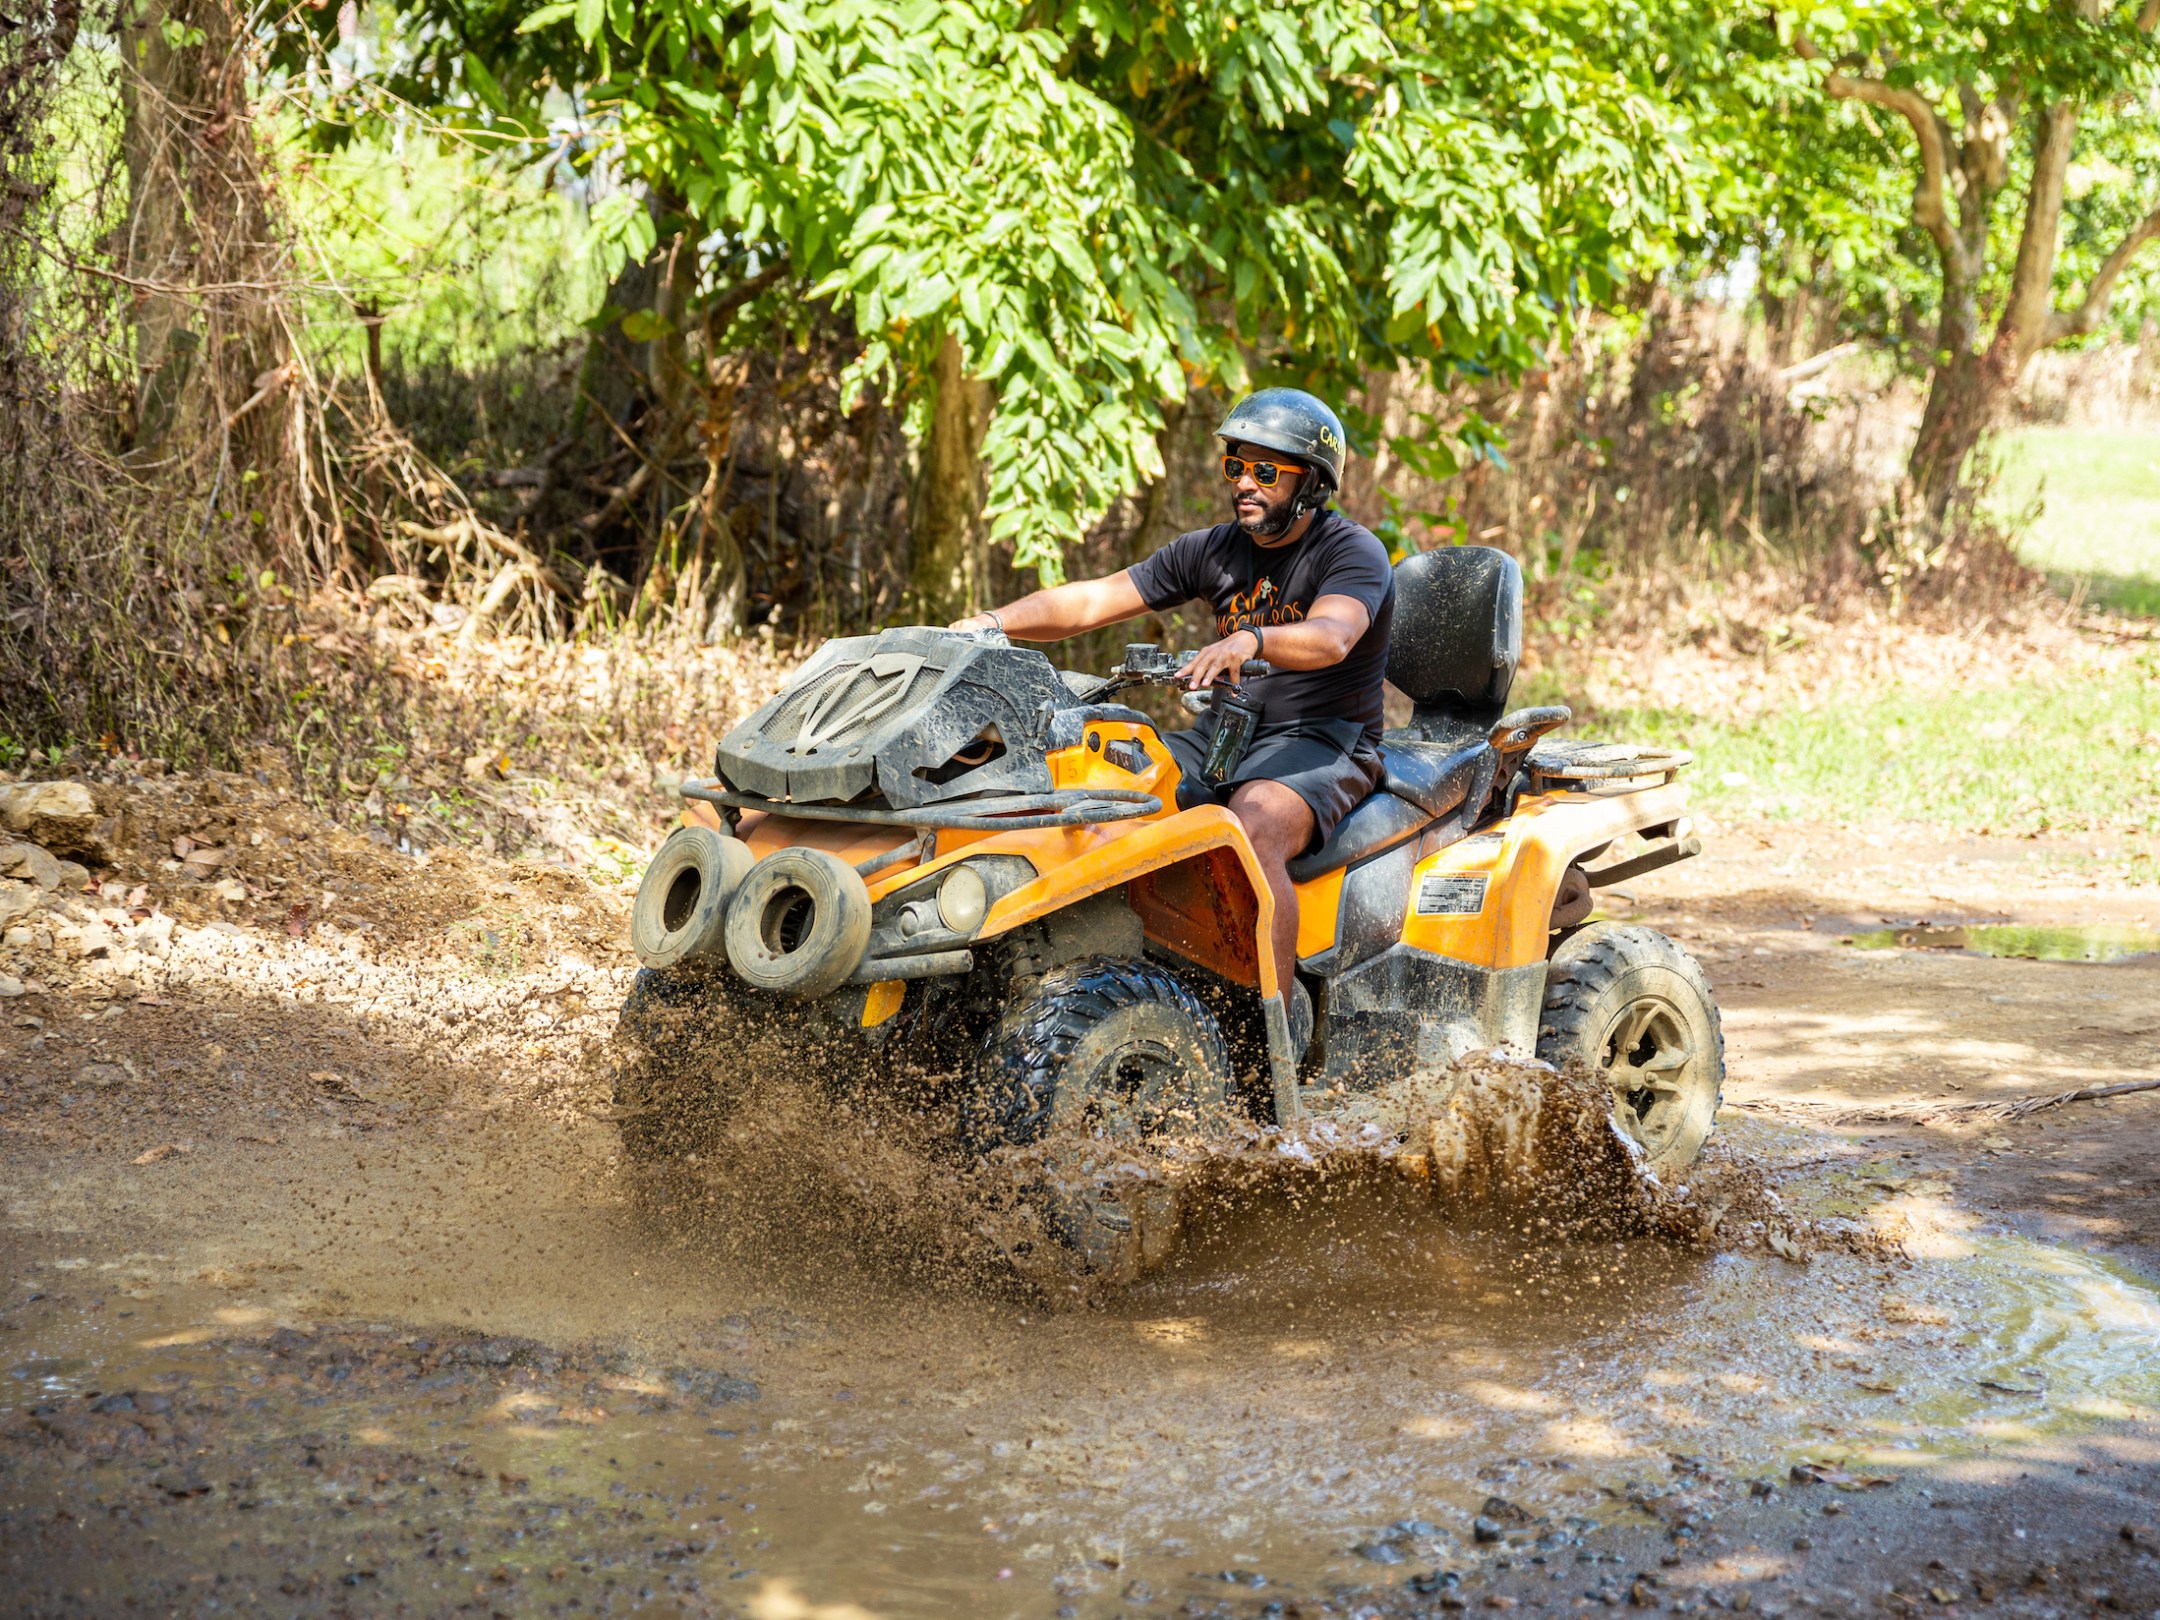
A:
x: 1257, y: 607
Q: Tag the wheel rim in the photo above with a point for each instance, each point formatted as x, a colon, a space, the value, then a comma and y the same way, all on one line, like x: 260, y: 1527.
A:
x: 1652, y: 1063
x: 1135, y: 1091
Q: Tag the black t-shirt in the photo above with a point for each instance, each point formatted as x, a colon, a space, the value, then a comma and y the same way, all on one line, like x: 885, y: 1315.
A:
x: 1249, y: 585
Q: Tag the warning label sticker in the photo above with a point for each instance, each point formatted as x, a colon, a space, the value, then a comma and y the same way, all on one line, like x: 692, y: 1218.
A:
x: 1451, y: 894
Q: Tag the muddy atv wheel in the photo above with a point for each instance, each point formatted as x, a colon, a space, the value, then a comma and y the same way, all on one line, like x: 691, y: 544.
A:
x: 1633, y: 1008
x: 1113, y: 1049
x: 670, y: 1097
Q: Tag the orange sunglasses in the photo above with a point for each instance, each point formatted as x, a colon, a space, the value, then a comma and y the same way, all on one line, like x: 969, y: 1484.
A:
x: 1265, y: 473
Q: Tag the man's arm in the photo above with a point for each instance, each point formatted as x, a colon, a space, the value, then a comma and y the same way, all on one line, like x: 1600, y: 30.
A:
x: 1323, y: 637
x: 1066, y: 610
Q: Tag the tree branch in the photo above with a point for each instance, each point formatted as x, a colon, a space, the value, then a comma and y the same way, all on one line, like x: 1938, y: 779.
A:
x: 722, y: 309
x: 2149, y: 17
x: 1929, y: 210
x: 2081, y: 320
x: 2029, y: 316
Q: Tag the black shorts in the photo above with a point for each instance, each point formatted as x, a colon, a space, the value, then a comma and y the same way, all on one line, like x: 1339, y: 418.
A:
x: 1324, y: 762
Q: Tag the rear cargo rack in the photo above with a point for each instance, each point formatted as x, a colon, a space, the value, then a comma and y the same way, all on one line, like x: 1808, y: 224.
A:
x: 1003, y: 812
x: 1595, y: 767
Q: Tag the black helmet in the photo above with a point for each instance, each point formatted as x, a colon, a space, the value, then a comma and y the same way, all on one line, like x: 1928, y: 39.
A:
x: 1293, y: 422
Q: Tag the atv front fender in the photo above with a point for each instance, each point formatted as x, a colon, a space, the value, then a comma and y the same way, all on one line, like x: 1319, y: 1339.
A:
x: 1192, y: 878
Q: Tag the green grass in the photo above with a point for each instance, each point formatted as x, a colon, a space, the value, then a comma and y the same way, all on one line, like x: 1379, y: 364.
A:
x: 2100, y: 522
x: 2025, y: 758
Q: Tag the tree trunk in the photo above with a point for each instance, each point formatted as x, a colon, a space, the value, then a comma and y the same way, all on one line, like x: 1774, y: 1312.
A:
x: 726, y: 587
x: 949, y: 568
x: 1964, y: 393
x: 611, y: 378
x: 1965, y: 399
x: 197, y: 243
x: 668, y: 363
x: 154, y: 142
x: 2032, y: 280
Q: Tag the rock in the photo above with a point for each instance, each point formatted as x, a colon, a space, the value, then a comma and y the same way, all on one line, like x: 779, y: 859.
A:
x: 17, y: 899
x: 10, y: 987
x: 73, y: 878
x: 714, y: 1389
x: 100, y: 1076
x: 62, y: 816
x: 30, y: 862
x: 1500, y: 1518
x: 229, y: 889
x: 1379, y: 1552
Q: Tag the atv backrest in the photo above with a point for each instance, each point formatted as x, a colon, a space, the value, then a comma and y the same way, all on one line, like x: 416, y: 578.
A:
x: 1457, y: 638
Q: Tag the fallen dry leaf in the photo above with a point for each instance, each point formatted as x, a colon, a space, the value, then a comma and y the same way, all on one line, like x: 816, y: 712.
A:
x: 164, y: 1150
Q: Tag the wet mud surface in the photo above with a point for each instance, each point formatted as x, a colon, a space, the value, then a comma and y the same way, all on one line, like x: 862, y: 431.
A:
x: 325, y: 1292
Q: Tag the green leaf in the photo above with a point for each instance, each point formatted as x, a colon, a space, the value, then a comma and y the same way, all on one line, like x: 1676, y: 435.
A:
x: 484, y: 83
x: 554, y: 12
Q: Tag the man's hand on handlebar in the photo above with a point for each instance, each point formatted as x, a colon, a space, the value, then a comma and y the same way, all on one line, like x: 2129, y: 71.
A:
x: 1224, y: 660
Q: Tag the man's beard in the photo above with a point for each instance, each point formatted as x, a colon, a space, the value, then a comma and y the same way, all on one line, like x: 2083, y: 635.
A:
x: 1277, y: 520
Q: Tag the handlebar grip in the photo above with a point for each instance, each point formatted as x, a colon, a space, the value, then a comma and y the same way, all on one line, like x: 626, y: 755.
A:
x: 1253, y: 668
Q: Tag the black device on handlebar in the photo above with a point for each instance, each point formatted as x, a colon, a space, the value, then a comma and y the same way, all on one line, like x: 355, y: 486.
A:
x: 1237, y: 716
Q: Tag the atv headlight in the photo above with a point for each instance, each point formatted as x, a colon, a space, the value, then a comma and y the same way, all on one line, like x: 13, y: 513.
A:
x: 952, y: 904
x: 963, y: 899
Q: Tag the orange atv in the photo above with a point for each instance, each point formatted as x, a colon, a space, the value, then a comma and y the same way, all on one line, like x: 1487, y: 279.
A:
x: 934, y: 851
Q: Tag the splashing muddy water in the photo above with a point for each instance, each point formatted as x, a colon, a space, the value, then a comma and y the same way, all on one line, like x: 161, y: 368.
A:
x: 485, y: 1355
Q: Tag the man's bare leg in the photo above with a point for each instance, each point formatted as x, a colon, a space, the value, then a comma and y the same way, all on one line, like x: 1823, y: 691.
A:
x: 1279, y: 825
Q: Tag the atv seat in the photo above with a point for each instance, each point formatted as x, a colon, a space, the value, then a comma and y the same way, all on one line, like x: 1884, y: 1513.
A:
x: 1456, y: 642
x: 1420, y: 782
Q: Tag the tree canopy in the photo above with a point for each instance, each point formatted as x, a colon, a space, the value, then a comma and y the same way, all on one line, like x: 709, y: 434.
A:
x: 1104, y: 205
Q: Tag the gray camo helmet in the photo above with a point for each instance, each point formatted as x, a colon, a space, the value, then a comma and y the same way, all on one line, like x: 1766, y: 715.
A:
x: 1293, y: 423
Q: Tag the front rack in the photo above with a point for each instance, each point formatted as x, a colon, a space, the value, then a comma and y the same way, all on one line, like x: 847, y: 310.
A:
x: 1004, y: 812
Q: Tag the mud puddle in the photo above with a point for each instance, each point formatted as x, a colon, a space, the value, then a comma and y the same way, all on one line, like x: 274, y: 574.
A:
x: 2098, y: 942
x: 490, y: 1368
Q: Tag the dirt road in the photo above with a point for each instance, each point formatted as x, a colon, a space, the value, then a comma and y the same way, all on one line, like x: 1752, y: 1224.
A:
x: 327, y: 1293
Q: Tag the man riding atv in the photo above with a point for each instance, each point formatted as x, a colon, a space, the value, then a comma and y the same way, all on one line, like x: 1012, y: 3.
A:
x: 936, y: 867
x: 1294, y: 583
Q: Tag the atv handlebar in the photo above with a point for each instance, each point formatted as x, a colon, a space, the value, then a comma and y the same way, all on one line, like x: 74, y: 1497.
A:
x: 1146, y: 664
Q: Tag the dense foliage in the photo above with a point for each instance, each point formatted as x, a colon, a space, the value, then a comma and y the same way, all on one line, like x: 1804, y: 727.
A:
x: 1105, y: 205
